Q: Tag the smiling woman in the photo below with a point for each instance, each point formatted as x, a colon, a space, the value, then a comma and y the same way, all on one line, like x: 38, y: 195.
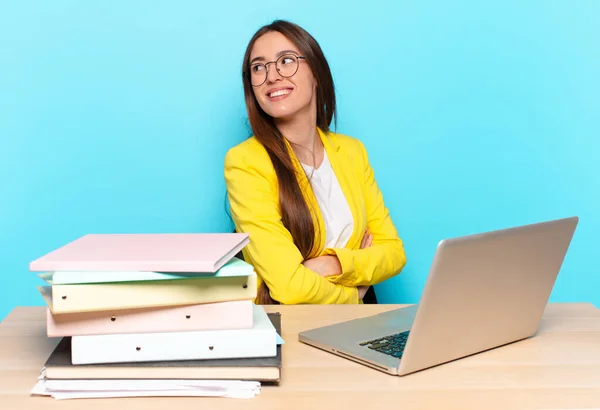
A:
x: 319, y: 229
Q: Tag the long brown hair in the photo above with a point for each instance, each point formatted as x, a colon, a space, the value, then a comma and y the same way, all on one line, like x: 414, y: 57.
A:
x: 296, y: 215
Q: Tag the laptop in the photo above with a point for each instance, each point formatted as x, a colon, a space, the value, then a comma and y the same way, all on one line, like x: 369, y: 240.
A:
x: 483, y: 291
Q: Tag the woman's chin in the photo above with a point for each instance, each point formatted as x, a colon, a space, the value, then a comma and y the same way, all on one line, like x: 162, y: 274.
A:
x: 282, y: 115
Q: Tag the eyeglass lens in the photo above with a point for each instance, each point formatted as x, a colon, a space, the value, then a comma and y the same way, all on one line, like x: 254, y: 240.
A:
x: 286, y: 66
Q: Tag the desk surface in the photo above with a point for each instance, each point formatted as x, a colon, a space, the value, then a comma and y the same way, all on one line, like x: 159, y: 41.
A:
x: 559, y: 368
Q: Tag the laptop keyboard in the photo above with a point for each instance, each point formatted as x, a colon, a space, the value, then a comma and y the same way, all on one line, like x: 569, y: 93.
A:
x: 392, y: 345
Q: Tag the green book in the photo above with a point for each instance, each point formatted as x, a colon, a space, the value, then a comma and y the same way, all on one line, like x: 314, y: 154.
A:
x: 234, y: 267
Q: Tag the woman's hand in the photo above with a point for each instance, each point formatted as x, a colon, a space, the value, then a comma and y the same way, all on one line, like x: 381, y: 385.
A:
x: 367, y: 241
x: 326, y: 265
x: 329, y: 265
x: 362, y: 290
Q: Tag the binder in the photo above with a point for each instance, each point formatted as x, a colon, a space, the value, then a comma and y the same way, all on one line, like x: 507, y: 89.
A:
x: 207, y: 316
x: 191, y: 252
x: 130, y: 295
x: 259, y: 341
x: 234, y: 267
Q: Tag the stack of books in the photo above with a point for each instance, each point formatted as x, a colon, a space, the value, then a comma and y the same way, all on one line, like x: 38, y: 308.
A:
x: 156, y: 306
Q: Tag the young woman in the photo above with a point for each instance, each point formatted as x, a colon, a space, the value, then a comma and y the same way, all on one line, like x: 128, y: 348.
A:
x: 319, y: 229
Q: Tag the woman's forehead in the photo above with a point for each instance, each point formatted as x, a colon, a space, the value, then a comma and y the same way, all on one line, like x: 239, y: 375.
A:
x: 270, y: 45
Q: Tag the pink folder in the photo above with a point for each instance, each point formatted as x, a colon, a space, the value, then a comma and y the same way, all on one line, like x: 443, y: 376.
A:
x: 209, y: 316
x: 193, y: 252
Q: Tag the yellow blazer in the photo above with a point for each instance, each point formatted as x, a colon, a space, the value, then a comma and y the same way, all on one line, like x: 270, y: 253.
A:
x: 253, y: 194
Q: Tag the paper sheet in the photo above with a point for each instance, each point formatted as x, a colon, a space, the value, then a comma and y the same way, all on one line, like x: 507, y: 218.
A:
x: 80, y: 389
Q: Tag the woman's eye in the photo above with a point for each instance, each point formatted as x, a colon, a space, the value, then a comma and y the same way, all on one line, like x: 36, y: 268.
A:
x: 258, y: 67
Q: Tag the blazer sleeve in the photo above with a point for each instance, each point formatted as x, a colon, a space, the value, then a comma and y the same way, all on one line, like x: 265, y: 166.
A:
x: 386, y: 256
x: 255, y: 210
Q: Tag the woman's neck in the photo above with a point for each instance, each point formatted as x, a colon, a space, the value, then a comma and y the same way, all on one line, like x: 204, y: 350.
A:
x: 301, y: 132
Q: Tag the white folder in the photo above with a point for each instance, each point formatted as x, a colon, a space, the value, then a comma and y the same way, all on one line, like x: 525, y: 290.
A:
x: 258, y: 341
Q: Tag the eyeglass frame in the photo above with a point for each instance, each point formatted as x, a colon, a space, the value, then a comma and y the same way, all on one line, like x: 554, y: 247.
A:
x: 249, y: 73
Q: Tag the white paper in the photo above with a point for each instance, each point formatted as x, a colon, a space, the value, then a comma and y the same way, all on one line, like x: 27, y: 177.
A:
x: 99, y: 395
x: 80, y: 389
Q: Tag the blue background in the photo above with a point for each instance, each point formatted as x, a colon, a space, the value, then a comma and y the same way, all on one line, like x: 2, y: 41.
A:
x: 116, y: 116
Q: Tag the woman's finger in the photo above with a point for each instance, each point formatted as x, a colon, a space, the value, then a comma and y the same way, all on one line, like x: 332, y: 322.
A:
x: 363, y: 241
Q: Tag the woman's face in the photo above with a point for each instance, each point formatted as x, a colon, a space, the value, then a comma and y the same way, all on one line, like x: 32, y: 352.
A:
x: 279, y: 96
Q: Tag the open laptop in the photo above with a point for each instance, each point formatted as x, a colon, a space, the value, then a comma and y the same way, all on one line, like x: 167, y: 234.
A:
x: 483, y: 291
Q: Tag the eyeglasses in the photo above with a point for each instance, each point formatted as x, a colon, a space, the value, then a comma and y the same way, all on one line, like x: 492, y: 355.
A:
x: 286, y: 66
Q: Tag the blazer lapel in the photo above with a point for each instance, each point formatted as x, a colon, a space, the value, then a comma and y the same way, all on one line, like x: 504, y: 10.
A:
x: 344, y: 170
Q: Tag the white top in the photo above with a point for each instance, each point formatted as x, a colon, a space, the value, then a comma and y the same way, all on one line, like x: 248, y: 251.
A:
x: 336, y: 212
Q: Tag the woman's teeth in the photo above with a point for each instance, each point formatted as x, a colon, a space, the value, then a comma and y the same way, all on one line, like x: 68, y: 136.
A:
x: 280, y: 92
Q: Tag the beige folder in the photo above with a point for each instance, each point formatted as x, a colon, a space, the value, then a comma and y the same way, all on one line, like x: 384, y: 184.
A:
x: 131, y: 295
